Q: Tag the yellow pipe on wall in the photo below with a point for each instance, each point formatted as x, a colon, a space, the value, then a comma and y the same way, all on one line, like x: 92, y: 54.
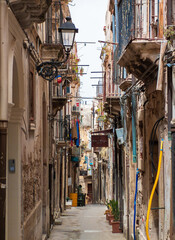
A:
x: 153, y: 189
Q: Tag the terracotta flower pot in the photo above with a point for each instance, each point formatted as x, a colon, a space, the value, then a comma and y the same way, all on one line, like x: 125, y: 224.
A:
x: 116, y: 227
x: 110, y: 218
x: 107, y: 211
x: 107, y: 216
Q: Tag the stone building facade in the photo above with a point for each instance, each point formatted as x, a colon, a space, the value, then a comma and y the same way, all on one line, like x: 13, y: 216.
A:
x: 30, y: 180
x: 141, y: 67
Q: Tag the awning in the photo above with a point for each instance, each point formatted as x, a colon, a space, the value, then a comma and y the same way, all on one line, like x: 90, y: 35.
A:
x: 140, y: 58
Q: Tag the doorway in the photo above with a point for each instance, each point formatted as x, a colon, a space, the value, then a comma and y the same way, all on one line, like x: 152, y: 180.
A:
x: 90, y: 192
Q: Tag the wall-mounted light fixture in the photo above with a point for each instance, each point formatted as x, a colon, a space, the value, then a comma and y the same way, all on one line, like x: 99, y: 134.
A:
x: 49, y: 69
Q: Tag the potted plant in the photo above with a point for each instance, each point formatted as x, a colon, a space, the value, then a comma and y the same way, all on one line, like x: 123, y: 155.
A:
x: 108, y: 211
x: 115, y: 222
x: 108, y: 207
x: 111, y: 214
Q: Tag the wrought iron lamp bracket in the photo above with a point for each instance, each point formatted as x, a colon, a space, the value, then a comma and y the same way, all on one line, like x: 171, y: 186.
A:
x: 49, y: 69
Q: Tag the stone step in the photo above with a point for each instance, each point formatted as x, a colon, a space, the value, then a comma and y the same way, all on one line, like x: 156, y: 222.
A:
x: 58, y: 221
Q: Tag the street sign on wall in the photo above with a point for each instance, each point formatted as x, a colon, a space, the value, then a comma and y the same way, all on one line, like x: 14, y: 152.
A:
x: 99, y: 140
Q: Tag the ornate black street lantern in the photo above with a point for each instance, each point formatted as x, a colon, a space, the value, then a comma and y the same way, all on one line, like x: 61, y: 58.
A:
x: 49, y: 70
x: 68, y: 31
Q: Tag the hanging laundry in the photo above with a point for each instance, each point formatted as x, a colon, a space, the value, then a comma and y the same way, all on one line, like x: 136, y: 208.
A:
x: 78, y: 134
x: 71, y: 140
x: 74, y: 131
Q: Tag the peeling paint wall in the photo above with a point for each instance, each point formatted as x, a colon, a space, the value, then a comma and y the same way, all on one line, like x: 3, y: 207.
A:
x: 151, y: 107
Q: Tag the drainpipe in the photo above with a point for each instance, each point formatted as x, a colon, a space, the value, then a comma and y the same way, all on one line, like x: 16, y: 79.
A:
x: 116, y: 162
x: 120, y: 186
x: 173, y: 151
x: 134, y: 152
x: 134, y: 128
x: 3, y: 111
x: 113, y: 30
x: 116, y: 19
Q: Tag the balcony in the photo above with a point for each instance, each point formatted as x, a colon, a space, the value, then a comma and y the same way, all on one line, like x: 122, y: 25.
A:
x: 140, y: 58
x: 59, y: 97
x: 29, y: 11
x: 112, y: 104
x: 126, y: 83
x: 62, y: 131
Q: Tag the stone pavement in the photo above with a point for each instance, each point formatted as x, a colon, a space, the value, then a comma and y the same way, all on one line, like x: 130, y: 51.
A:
x: 84, y: 223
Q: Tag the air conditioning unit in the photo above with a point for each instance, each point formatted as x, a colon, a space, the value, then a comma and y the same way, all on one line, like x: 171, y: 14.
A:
x: 120, y: 138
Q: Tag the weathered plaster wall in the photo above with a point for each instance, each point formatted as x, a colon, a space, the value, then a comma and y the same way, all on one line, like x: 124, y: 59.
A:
x: 154, y: 110
x: 32, y: 227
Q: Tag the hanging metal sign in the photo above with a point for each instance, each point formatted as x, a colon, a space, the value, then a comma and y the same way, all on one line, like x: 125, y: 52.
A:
x: 99, y: 140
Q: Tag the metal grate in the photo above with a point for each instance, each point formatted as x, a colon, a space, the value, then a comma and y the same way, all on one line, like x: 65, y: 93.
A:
x: 53, y: 20
x: 126, y: 33
x: 126, y: 24
x: 62, y: 129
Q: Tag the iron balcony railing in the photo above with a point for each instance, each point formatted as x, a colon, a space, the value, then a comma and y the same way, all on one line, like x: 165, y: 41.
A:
x: 114, y: 94
x: 53, y: 19
x: 62, y: 129
x: 57, y: 90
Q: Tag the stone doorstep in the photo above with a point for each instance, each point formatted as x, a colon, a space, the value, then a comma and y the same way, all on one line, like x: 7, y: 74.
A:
x: 58, y: 221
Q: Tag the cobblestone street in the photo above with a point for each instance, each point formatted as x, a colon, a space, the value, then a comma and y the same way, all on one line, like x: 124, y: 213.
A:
x: 85, y: 223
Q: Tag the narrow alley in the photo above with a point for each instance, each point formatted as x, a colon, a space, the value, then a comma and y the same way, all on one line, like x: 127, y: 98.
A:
x: 84, y: 223
x: 87, y: 119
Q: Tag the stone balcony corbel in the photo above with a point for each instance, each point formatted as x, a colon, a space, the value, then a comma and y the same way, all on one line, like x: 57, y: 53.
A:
x: 51, y: 51
x: 29, y: 11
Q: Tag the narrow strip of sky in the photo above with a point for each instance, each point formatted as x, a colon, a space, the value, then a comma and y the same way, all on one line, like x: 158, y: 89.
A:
x: 89, y: 17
